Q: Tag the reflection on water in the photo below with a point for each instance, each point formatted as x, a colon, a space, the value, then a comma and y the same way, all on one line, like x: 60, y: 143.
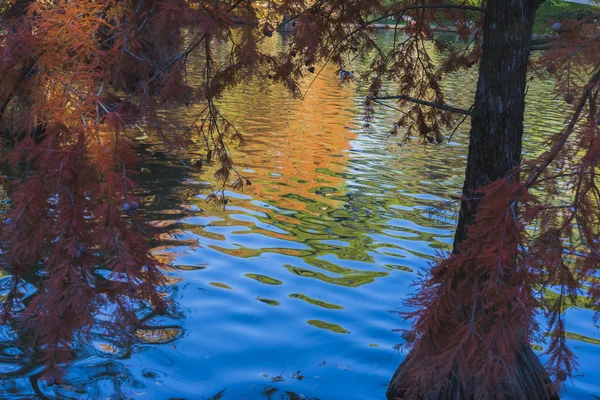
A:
x: 290, y: 291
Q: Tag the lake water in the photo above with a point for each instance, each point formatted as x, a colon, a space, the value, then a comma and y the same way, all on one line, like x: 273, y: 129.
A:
x: 292, y: 291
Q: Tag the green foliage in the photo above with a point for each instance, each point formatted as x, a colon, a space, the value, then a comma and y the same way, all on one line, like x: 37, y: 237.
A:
x: 571, y: 14
x: 559, y: 10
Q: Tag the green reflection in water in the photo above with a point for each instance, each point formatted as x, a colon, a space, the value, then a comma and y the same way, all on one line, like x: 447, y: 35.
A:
x: 581, y: 338
x: 220, y: 285
x: 316, y: 302
x: 270, y: 302
x: 264, y: 279
x: 352, y: 278
x: 326, y: 325
x: 580, y: 301
x: 399, y: 267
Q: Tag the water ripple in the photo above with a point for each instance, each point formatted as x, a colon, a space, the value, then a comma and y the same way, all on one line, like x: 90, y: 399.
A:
x: 303, y: 273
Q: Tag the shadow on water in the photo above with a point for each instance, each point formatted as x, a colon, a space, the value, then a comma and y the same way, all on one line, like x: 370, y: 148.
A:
x: 292, y: 290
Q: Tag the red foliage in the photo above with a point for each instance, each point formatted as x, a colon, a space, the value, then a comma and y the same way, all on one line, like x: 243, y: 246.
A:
x: 477, y: 305
x: 77, y: 74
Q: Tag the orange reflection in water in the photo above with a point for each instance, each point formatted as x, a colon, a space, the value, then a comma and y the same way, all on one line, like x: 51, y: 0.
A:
x: 294, y: 147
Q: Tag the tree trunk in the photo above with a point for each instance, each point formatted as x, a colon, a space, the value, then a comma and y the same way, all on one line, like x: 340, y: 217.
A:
x: 494, y: 151
x: 531, y: 379
x: 497, y: 125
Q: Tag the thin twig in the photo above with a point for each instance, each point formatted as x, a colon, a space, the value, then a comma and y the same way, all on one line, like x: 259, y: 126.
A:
x: 426, y: 103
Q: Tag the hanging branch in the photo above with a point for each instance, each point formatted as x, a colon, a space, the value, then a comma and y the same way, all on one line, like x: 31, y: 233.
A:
x: 426, y: 103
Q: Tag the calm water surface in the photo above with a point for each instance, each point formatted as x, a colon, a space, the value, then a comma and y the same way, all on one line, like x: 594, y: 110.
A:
x: 292, y: 290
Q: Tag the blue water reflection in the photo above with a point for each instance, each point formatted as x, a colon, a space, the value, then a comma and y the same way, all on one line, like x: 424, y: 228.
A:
x: 292, y: 290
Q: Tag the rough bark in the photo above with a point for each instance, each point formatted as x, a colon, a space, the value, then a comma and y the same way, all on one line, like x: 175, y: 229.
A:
x: 531, y: 380
x: 497, y: 125
x: 495, y: 151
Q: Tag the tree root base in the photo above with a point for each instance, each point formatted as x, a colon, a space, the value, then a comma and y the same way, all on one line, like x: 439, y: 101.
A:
x: 530, y: 382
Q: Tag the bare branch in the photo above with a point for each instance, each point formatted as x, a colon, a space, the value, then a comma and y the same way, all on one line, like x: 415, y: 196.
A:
x: 417, y: 7
x: 426, y: 103
x: 535, y: 174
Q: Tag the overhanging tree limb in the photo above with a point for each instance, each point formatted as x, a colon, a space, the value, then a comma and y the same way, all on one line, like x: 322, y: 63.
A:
x: 400, y: 13
x: 537, y: 172
x: 426, y: 103
x: 409, y: 8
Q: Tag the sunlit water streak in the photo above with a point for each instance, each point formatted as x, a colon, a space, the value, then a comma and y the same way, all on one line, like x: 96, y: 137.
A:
x: 292, y: 289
